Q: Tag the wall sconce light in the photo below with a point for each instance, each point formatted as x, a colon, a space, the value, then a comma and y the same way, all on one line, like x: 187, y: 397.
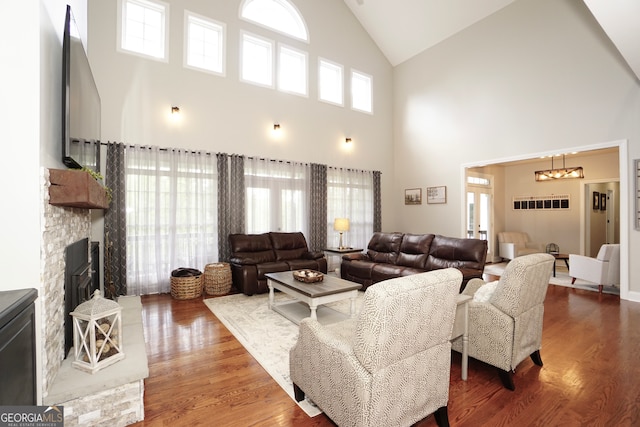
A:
x: 347, y: 140
x: 175, y: 110
x: 341, y: 225
x: 564, y: 173
x: 276, y: 126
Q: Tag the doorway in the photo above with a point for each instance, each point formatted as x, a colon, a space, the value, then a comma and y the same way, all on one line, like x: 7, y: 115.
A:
x: 479, y: 208
x: 602, y: 219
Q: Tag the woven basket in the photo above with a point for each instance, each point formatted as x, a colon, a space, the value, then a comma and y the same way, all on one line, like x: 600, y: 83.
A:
x: 186, y: 287
x: 217, y: 278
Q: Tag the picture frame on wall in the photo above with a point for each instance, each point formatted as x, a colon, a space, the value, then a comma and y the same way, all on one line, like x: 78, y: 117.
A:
x: 413, y: 196
x: 603, y: 201
x: 437, y: 195
x: 596, y: 201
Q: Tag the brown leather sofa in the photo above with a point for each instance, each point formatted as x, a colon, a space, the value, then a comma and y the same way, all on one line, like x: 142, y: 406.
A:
x: 390, y: 255
x: 254, y: 255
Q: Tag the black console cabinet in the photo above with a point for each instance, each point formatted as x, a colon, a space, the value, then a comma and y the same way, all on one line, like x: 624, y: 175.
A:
x: 18, y: 347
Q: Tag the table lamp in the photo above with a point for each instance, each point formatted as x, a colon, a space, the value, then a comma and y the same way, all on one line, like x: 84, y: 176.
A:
x: 341, y: 225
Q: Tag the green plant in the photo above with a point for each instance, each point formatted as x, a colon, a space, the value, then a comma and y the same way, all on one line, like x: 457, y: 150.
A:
x: 98, y: 177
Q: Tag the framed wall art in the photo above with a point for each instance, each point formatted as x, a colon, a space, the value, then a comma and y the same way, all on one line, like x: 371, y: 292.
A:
x: 595, y: 205
x: 603, y: 201
x: 413, y: 196
x: 437, y: 194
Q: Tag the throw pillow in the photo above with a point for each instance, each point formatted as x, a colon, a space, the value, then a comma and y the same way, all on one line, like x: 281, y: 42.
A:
x: 485, y: 292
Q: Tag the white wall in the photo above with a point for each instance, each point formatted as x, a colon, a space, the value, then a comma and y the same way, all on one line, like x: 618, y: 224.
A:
x: 538, y: 76
x: 221, y: 114
x: 19, y: 166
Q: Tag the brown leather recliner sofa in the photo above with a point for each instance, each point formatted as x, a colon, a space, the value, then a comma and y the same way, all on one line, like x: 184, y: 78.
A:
x: 390, y: 255
x: 254, y: 255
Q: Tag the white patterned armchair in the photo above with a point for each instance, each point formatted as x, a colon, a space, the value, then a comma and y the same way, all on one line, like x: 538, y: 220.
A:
x: 505, y: 317
x: 391, y: 365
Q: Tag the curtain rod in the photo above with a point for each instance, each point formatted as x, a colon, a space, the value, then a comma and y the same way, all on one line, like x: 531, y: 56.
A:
x: 241, y: 155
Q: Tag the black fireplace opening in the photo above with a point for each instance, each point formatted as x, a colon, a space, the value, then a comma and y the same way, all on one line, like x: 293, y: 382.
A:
x: 79, y: 283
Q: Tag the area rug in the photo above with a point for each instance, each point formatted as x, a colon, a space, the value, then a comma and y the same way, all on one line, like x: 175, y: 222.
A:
x: 562, y: 278
x: 265, y: 334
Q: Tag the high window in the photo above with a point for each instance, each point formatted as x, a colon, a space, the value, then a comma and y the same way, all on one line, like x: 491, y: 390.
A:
x: 330, y: 82
x: 292, y: 70
x: 256, y: 60
x: 143, y: 27
x: 278, y: 15
x: 204, y: 44
x: 361, y: 92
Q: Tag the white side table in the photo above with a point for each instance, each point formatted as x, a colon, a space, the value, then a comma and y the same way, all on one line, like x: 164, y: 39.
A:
x: 461, y: 328
x: 331, y: 253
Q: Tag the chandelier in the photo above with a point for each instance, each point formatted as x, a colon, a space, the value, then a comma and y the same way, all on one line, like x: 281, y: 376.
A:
x: 549, y: 174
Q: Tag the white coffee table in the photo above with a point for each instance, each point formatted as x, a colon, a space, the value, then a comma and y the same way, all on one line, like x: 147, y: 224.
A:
x: 313, y: 295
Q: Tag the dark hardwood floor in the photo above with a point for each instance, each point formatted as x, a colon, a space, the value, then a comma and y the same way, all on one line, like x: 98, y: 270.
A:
x: 200, y: 375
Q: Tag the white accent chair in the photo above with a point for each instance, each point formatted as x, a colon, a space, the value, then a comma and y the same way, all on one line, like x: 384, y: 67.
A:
x: 604, y: 269
x: 512, y: 244
x: 505, y: 325
x: 391, y: 365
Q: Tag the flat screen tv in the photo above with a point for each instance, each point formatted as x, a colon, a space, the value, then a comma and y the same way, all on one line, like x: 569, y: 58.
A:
x: 80, y: 102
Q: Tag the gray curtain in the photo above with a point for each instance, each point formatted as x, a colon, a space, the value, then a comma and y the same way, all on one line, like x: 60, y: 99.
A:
x: 377, y: 201
x: 318, y: 207
x: 115, y: 224
x: 231, y: 195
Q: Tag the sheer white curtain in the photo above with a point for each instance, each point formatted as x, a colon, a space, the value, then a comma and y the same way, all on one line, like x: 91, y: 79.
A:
x: 350, y: 195
x: 171, y: 199
x: 277, y: 194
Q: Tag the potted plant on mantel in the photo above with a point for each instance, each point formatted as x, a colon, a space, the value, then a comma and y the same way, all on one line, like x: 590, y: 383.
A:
x: 78, y: 188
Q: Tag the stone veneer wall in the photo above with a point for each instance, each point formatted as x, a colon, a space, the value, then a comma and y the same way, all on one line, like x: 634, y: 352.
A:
x: 114, y: 407
x: 60, y: 227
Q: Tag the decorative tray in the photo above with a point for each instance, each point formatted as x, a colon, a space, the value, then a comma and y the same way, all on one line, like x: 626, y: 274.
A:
x: 308, y: 276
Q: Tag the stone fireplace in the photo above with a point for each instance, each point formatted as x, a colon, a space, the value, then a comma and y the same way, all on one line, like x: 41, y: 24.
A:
x: 115, y: 394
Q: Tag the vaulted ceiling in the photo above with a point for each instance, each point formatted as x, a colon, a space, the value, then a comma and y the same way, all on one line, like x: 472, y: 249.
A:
x: 404, y: 28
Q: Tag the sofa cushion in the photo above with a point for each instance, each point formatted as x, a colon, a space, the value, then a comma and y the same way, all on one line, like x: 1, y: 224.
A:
x: 414, y: 250
x: 252, y: 248
x: 271, y: 267
x: 384, y: 247
x: 289, y: 245
x: 458, y: 253
x: 382, y: 272
x: 299, y: 264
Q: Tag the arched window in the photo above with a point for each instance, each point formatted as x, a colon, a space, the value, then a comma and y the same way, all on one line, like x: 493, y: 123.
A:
x: 278, y: 15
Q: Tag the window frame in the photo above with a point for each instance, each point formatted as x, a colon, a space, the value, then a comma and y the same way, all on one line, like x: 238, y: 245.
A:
x: 355, y: 72
x: 209, y: 23
x: 337, y: 66
x: 161, y: 7
x: 265, y: 40
x: 279, y: 69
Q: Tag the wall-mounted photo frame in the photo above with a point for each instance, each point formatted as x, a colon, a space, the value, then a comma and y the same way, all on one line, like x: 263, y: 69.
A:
x: 437, y: 195
x: 413, y: 196
x: 603, y: 201
x: 596, y: 201
x: 549, y: 202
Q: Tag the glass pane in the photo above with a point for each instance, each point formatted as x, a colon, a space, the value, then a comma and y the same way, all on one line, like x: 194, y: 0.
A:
x: 256, y: 60
x: 483, y: 217
x: 470, y: 215
x: 330, y: 82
